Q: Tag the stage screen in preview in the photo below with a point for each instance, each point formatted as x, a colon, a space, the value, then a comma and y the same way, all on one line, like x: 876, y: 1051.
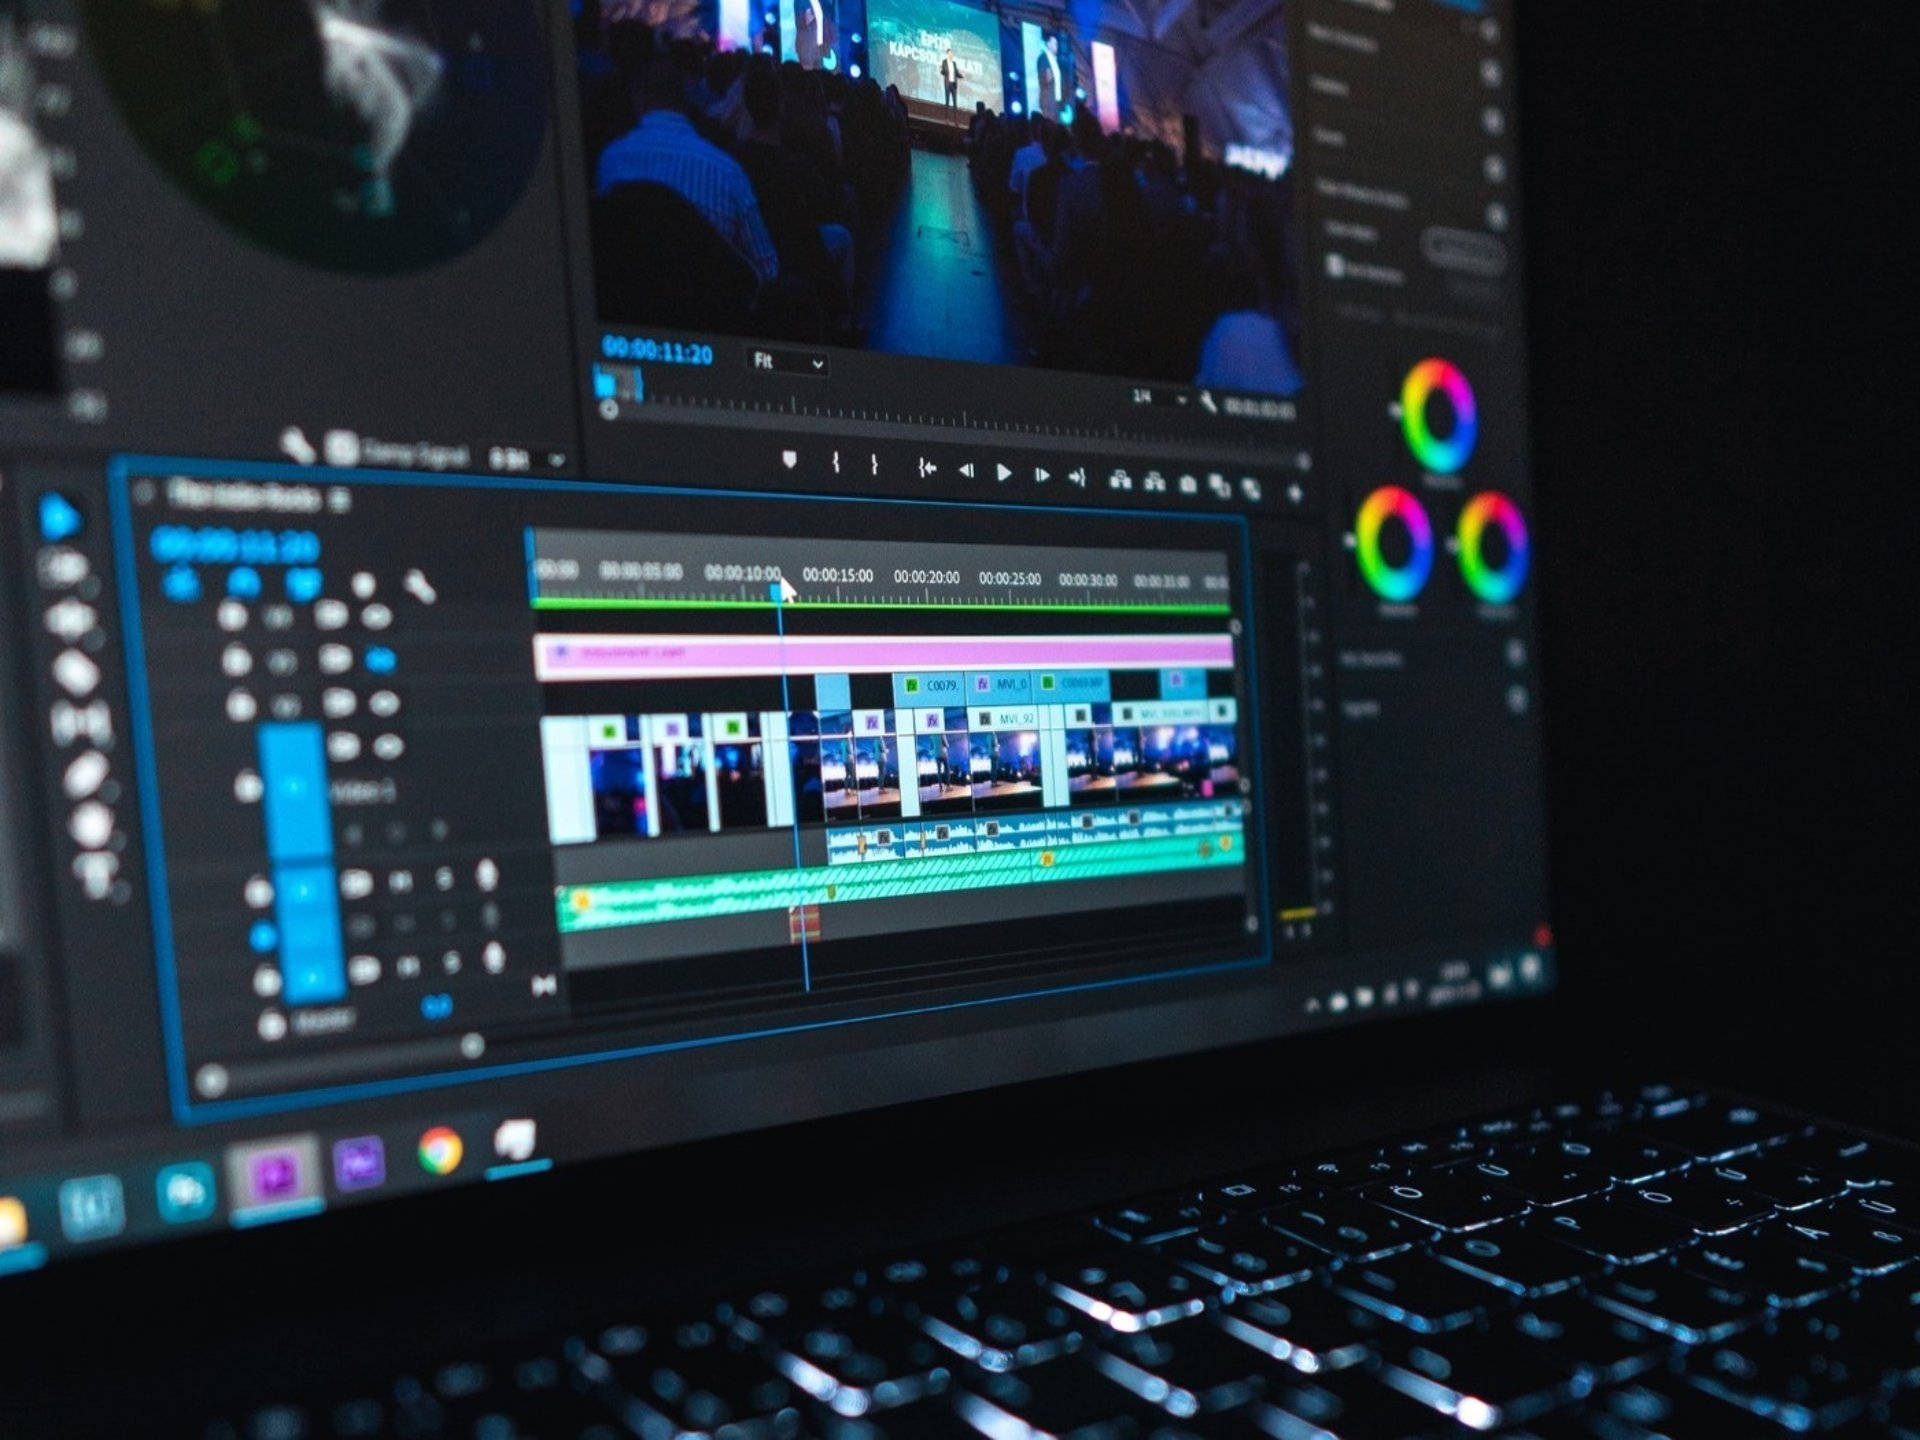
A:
x: 1085, y: 203
x: 918, y: 44
x: 1046, y: 68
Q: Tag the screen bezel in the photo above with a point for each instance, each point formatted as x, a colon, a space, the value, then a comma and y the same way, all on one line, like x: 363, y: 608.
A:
x: 1129, y: 1053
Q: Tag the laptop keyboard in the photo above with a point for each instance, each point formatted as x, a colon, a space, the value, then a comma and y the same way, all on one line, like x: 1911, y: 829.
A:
x: 1654, y: 1262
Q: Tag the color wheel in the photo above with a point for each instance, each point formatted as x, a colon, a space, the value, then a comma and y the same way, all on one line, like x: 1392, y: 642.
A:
x: 1495, y: 585
x: 1423, y: 382
x: 1397, y: 583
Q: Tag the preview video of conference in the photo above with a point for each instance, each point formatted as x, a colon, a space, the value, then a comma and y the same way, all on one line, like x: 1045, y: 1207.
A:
x: 1045, y: 188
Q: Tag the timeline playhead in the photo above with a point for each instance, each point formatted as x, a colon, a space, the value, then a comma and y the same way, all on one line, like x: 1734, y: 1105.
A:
x: 571, y: 770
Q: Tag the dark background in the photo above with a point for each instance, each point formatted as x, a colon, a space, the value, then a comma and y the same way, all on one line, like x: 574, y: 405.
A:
x: 1716, y: 202
x: 1722, y: 258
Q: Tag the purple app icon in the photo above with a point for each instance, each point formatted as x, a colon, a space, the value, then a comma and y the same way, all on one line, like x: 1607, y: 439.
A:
x: 360, y: 1164
x: 274, y: 1175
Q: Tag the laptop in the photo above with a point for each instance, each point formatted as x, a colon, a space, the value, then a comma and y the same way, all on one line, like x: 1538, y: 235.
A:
x: 820, y: 721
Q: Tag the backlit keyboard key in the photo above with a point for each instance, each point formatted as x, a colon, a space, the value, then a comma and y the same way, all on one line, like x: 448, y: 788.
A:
x: 1134, y: 1290
x: 1765, y: 1262
x: 1614, y: 1232
x: 1186, y: 1369
x: 1525, y: 1260
x: 1418, y: 1292
x: 1256, y: 1193
x: 1003, y: 1327
x: 1892, y: 1205
x: 1351, y: 1169
x: 1622, y: 1158
x: 1349, y: 1229
x: 701, y: 1379
x: 1798, y: 1379
x: 1484, y: 1381
x: 1667, y: 1408
x: 1717, y: 1129
x: 864, y: 1363
x: 1354, y: 1405
x: 1600, y: 1343
x: 1147, y: 1222
x: 1862, y: 1240
x: 1705, y: 1199
x: 933, y: 1418
x: 1541, y: 1177
x: 1307, y: 1327
x: 1782, y: 1182
x: 1060, y: 1398
x: 1860, y: 1163
x: 1244, y: 1256
x: 1455, y: 1200
x: 1442, y: 1147
x: 1676, y: 1303
x: 1446, y: 1146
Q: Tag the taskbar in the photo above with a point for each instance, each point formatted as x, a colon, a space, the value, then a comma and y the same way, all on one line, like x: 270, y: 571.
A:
x: 244, y: 1176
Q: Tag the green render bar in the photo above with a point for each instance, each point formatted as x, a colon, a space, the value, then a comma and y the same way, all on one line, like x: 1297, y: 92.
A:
x: 697, y: 897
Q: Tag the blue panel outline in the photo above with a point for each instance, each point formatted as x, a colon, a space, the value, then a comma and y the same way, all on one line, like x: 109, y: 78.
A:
x: 120, y: 471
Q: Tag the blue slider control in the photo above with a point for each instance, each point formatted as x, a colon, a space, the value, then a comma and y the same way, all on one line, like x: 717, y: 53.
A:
x: 59, y: 519
x: 299, y: 818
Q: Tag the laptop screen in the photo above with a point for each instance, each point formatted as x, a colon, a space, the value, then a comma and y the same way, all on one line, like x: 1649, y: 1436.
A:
x: 583, y: 578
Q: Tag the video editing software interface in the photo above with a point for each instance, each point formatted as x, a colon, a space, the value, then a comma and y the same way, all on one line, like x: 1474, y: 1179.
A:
x: 579, y: 577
